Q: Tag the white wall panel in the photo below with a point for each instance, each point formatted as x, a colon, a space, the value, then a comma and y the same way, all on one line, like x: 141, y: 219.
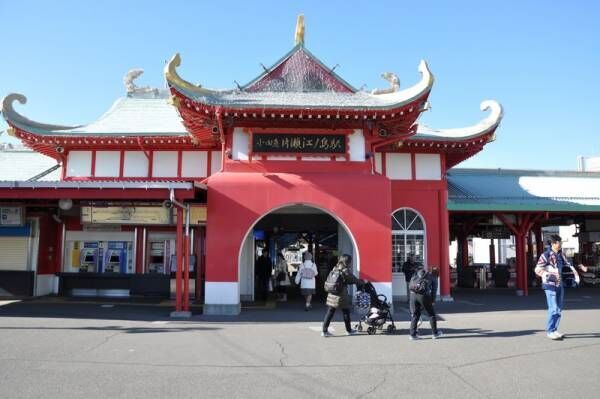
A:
x: 241, y: 145
x: 193, y: 163
x: 398, y: 166
x: 215, y: 162
x: 164, y: 164
x: 356, y: 143
x: 107, y: 163
x: 79, y: 164
x: 135, y: 164
x: 378, y: 164
x: 428, y: 167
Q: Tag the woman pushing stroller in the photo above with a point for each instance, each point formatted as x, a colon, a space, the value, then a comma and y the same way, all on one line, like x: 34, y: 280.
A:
x: 338, y: 296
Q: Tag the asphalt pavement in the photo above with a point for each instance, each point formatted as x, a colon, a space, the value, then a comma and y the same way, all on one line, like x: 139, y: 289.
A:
x: 494, y: 346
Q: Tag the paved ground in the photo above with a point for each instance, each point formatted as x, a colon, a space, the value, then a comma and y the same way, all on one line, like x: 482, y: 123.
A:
x: 493, y: 347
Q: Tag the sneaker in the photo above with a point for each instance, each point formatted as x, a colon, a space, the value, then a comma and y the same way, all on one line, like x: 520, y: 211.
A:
x: 326, y: 334
x: 437, y: 335
x: 553, y: 335
x: 560, y: 335
x: 414, y: 337
x: 352, y: 332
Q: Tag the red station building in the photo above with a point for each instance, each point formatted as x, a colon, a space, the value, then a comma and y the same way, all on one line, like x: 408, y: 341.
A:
x: 211, y: 173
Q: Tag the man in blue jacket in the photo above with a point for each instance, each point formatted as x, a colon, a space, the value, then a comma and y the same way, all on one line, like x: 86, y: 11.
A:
x: 550, y: 268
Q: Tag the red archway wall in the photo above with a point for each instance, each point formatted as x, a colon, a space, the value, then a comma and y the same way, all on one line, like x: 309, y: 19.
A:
x: 237, y: 200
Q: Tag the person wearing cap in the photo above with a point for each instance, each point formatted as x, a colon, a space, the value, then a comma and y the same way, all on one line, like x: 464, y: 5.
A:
x: 550, y: 268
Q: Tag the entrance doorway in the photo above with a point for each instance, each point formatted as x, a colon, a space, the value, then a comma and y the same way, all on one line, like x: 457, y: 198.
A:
x: 293, y: 231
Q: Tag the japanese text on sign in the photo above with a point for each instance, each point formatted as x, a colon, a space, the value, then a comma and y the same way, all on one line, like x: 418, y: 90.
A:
x: 301, y: 143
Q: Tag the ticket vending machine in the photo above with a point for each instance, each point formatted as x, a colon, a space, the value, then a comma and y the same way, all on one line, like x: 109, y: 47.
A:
x: 88, y: 257
x: 116, y: 257
x: 160, y: 253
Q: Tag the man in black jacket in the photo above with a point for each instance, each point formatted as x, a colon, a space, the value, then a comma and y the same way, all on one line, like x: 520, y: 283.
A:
x: 421, y: 294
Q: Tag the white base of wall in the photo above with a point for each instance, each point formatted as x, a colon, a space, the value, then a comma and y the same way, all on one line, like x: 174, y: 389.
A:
x: 46, y: 284
x: 222, y: 298
x: 222, y: 293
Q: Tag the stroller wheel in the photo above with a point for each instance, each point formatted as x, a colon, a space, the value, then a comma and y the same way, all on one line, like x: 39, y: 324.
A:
x: 371, y: 330
x: 391, y: 328
x: 359, y: 327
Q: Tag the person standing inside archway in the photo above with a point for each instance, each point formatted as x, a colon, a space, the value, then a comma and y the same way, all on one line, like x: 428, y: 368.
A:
x: 306, y: 279
x: 263, y: 273
x: 282, y: 279
x: 339, y: 297
x: 550, y: 267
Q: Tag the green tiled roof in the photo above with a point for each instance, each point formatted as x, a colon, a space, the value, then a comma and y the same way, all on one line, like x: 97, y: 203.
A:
x: 523, y: 190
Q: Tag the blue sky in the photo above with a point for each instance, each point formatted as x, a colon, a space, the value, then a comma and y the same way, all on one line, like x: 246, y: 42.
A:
x: 540, y: 59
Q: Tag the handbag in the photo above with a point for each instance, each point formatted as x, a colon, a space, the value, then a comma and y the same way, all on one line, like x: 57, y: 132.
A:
x: 280, y: 276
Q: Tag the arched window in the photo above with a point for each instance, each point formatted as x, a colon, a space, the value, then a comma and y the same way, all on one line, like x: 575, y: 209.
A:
x: 408, y: 237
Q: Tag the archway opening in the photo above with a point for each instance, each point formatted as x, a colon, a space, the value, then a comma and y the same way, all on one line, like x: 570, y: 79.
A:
x: 292, y: 231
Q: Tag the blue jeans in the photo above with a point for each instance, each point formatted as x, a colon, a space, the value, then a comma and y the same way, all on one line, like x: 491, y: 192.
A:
x: 555, y: 304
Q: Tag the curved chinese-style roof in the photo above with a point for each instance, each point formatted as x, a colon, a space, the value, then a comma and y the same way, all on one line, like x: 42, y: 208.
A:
x: 303, y: 91
x: 138, y: 120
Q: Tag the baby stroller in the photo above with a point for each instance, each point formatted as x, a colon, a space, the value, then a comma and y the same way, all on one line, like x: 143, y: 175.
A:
x: 374, y: 310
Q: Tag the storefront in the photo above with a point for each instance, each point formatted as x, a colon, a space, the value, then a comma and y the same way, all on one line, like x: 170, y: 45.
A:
x: 297, y: 140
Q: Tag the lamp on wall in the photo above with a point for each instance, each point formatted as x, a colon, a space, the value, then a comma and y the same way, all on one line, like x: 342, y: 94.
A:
x: 65, y: 204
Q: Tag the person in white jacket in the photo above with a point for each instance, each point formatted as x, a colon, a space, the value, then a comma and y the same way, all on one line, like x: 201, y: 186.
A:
x: 306, y: 279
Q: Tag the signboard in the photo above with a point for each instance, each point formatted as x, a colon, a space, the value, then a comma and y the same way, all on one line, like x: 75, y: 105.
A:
x: 299, y: 143
x: 11, y: 216
x: 148, y: 215
x: 156, y: 215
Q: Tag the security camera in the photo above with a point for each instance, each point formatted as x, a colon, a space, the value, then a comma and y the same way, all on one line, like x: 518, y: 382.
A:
x: 60, y: 149
x: 167, y: 204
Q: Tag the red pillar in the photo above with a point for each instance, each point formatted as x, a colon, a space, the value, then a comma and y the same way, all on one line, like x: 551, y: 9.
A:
x: 521, y: 263
x: 492, y: 254
x: 179, y: 251
x: 464, y: 250
x: 186, y: 272
x: 539, y: 245
x: 444, y: 246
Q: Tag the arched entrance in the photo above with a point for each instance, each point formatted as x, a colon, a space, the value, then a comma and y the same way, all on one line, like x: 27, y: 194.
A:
x: 293, y: 230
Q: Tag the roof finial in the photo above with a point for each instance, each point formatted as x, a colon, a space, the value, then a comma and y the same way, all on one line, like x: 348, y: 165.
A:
x: 300, y: 30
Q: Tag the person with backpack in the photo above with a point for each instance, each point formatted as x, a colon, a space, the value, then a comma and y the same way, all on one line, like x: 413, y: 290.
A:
x: 306, y: 279
x: 336, y: 286
x: 421, y: 295
x: 550, y: 267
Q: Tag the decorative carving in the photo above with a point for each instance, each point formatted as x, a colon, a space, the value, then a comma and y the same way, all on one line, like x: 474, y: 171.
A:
x: 174, y: 79
x: 132, y: 88
x: 299, y: 36
x: 394, y: 84
x: 13, y: 116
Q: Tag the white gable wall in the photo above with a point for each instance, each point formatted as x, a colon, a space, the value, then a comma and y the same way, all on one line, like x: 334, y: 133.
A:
x: 79, y: 164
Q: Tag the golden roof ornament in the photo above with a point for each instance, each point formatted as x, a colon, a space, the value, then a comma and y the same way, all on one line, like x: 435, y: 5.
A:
x: 300, y: 30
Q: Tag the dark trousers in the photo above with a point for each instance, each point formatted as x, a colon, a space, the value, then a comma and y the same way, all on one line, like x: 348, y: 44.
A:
x: 419, y: 302
x: 329, y: 316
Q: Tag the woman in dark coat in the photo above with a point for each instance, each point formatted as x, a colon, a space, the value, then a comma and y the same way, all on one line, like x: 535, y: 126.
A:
x: 343, y: 300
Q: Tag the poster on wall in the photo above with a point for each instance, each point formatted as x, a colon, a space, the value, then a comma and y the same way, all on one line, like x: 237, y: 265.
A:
x: 11, y: 216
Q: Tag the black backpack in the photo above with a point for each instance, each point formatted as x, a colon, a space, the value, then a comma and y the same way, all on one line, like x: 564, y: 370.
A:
x: 334, y: 282
x: 419, y: 283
